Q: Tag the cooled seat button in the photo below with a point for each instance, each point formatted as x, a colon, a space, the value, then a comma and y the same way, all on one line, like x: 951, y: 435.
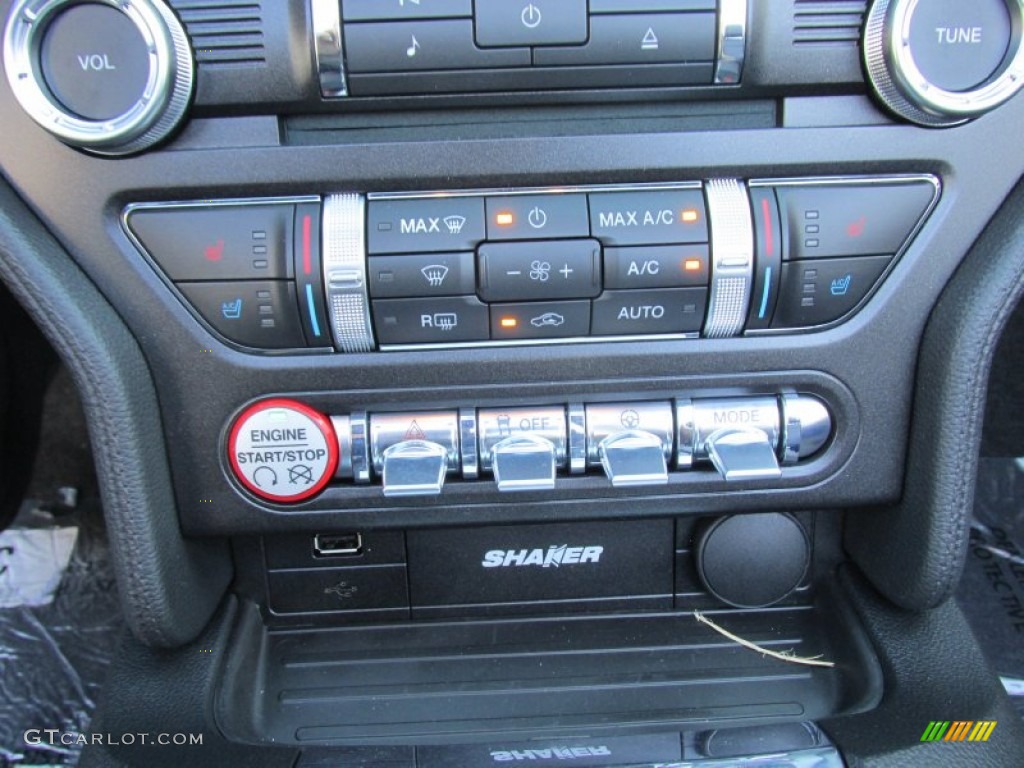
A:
x: 820, y: 291
x: 255, y: 313
x: 282, y: 450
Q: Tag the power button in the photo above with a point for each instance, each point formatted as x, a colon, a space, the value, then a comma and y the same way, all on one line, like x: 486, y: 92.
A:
x: 282, y: 450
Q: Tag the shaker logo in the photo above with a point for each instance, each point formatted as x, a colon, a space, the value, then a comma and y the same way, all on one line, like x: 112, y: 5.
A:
x: 555, y: 555
x: 554, y: 753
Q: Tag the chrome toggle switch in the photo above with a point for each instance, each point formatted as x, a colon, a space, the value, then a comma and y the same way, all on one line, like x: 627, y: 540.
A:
x: 414, y: 468
x: 633, y: 458
x: 748, y: 438
x: 524, y: 462
x: 495, y: 425
x: 743, y: 454
x: 390, y: 429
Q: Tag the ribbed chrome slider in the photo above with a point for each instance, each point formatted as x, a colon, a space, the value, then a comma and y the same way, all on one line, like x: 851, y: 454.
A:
x: 732, y: 257
x: 344, y: 265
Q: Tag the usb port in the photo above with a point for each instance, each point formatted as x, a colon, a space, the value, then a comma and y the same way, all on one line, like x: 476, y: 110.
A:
x: 337, y: 544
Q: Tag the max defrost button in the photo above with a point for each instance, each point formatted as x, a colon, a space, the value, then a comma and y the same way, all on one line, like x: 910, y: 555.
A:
x: 282, y: 450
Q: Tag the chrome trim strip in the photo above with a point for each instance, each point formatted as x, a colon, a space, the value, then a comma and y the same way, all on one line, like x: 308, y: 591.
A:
x: 732, y: 41
x: 732, y: 257
x: 344, y: 268
x: 328, y: 47
x: 536, y: 342
x: 577, y: 419
x: 468, y: 443
x: 359, y: 431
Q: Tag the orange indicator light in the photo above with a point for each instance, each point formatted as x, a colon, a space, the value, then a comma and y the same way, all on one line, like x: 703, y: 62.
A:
x: 692, y: 265
x: 505, y: 219
x: 689, y: 216
x: 509, y: 322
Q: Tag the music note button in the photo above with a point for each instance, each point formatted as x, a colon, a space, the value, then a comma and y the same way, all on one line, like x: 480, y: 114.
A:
x: 420, y: 46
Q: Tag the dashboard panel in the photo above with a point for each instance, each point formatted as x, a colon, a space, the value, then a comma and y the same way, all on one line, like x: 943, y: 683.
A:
x: 477, y: 320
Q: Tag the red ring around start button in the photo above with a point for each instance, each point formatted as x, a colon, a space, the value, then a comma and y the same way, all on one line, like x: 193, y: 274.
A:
x: 282, y: 450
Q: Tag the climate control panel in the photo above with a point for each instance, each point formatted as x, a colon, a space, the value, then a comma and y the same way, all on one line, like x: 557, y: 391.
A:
x: 283, y: 451
x: 361, y: 273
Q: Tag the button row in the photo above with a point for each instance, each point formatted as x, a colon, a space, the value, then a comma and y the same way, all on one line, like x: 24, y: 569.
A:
x: 547, y: 43
x: 467, y: 319
x: 277, y: 448
x: 716, y: 259
x: 457, y: 223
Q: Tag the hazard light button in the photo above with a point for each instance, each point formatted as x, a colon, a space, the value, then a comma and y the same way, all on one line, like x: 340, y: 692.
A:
x: 282, y: 450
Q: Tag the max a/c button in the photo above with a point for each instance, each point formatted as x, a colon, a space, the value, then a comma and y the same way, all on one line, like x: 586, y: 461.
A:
x: 630, y: 313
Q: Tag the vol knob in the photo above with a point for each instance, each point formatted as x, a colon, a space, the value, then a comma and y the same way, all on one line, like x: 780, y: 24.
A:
x: 941, y: 62
x: 110, y: 76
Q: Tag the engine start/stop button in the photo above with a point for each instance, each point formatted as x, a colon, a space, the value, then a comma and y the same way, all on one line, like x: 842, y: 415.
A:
x: 283, y: 450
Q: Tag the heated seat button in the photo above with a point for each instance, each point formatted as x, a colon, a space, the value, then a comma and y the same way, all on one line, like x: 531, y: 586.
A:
x: 556, y: 269
x: 221, y: 242
x: 648, y: 218
x: 427, y: 225
x: 531, y: 22
x: 639, y: 39
x: 430, y: 321
x: 540, y: 320
x: 283, y: 450
x: 417, y: 46
x: 432, y: 274
x: 254, y: 313
x: 530, y: 217
x: 823, y: 221
x: 632, y: 313
x: 820, y: 291
x: 656, y: 266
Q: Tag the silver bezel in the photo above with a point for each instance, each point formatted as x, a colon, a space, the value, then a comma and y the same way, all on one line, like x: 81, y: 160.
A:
x: 163, y: 102
x: 328, y: 48
x: 946, y: 107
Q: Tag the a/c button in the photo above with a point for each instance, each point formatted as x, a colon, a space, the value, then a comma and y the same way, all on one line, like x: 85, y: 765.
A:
x: 629, y: 313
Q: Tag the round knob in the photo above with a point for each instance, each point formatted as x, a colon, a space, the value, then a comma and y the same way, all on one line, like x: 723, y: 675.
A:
x: 941, y: 62
x: 110, y: 76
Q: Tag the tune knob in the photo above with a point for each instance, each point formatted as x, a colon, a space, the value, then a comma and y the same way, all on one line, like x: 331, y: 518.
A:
x: 941, y: 62
x: 109, y: 76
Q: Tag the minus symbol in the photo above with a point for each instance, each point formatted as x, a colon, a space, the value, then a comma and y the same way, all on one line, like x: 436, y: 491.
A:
x: 514, y: 273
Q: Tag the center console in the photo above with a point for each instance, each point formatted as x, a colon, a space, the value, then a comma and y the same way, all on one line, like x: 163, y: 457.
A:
x: 489, y: 347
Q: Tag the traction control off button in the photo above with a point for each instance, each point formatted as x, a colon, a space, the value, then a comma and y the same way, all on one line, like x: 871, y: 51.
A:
x: 282, y: 450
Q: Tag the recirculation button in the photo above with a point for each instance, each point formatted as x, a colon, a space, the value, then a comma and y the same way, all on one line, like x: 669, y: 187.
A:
x: 282, y: 450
